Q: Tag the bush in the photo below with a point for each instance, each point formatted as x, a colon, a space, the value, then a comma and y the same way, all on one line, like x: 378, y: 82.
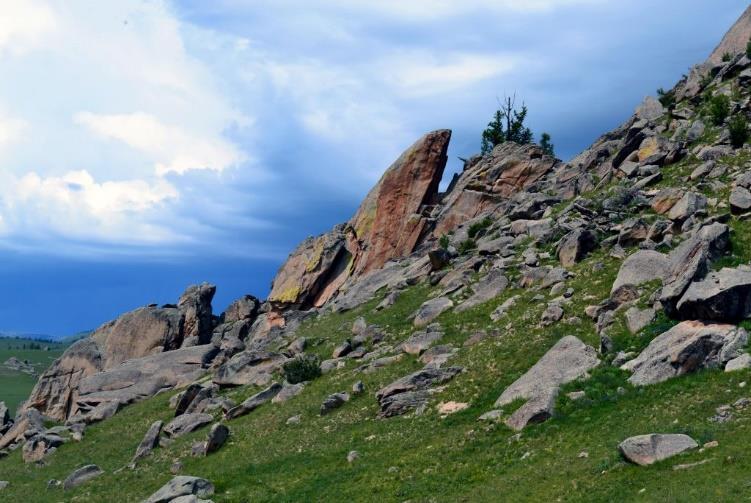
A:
x: 726, y: 57
x: 748, y: 49
x: 738, y: 127
x: 302, y: 368
x: 466, y: 246
x: 477, y: 227
x: 666, y: 98
x: 719, y: 108
x: 444, y: 242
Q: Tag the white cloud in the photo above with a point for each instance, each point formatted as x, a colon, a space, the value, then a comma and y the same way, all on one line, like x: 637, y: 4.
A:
x: 23, y: 23
x: 11, y: 130
x: 77, y: 206
x: 172, y: 148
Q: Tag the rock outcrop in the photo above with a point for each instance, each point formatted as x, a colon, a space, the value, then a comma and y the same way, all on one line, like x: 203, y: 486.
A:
x: 645, y: 450
x: 569, y: 359
x: 687, y: 347
x: 388, y: 224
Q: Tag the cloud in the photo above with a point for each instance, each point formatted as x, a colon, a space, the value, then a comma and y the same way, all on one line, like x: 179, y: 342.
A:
x: 427, y: 9
x: 77, y: 206
x: 23, y: 24
x: 172, y: 148
x: 11, y: 130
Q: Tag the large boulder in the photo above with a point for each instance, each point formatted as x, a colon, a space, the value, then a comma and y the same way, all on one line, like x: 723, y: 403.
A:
x: 641, y: 267
x: 29, y: 421
x: 249, y: 367
x: 141, y: 378
x: 488, y: 287
x: 645, y: 450
x: 389, y: 224
x: 569, y: 359
x: 687, y: 347
x: 431, y: 309
x: 56, y: 392
x: 575, y: 245
x: 724, y: 295
x: 182, y: 485
x: 195, y: 307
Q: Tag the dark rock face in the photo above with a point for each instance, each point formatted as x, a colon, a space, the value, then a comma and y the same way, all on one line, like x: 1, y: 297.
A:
x: 724, y: 295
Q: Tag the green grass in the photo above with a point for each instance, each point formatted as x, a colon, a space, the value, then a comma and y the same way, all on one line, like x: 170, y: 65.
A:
x: 16, y: 386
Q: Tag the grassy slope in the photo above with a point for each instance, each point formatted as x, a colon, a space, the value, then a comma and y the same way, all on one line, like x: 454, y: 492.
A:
x: 16, y: 386
x: 428, y: 458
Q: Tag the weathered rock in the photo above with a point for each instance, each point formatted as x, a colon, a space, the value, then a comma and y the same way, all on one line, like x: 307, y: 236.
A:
x: 438, y: 355
x: 735, y: 40
x: 637, y: 319
x: 552, y: 314
x: 195, y: 307
x: 420, y: 341
x: 249, y: 367
x: 40, y: 446
x: 645, y: 450
x: 740, y: 200
x: 569, y: 359
x: 4, y: 416
x: 410, y: 391
x: 218, y: 435
x: 182, y: 485
x: 254, y: 402
x: 685, y: 348
x: 244, y: 308
x: 334, y: 401
x: 186, y: 397
x: 287, y: 392
x: 142, y: 378
x: 342, y: 349
x: 575, y: 246
x: 150, y: 440
x: 488, y: 287
x: 739, y: 363
x: 686, y: 206
x: 28, y: 420
x: 724, y: 295
x: 431, y: 309
x: 387, y: 225
x: 664, y: 201
x: 81, y: 476
x: 650, y: 109
x: 186, y: 423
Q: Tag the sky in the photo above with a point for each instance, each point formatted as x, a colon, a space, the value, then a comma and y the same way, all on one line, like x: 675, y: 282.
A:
x: 148, y: 145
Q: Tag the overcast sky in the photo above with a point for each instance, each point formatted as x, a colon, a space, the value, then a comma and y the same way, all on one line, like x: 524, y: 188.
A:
x: 145, y: 145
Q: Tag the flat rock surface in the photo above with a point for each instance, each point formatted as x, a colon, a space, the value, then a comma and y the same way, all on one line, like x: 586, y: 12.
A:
x: 648, y: 449
x: 431, y: 309
x: 724, y: 295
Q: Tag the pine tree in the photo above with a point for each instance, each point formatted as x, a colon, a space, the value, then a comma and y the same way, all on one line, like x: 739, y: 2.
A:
x: 547, y: 147
x: 514, y: 129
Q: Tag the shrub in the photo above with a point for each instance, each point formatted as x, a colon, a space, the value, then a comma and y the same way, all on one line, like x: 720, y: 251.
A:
x: 546, y: 145
x: 467, y: 245
x: 444, y: 242
x: 738, y: 127
x: 477, y: 227
x: 666, y: 98
x: 726, y: 57
x: 302, y: 368
x: 719, y: 108
x: 748, y: 49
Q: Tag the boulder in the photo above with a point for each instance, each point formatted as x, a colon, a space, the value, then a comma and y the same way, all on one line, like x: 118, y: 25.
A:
x: 664, y: 201
x: 488, y: 287
x: 740, y: 200
x: 186, y: 423
x: 637, y: 319
x: 739, y: 363
x: 182, y: 485
x: 420, y: 341
x: 254, y: 402
x: 411, y: 391
x: 724, y: 295
x: 29, y: 420
x: 690, y: 203
x: 218, y: 435
x: 645, y: 450
x: 150, y: 440
x: 569, y: 359
x: 687, y: 347
x: 81, y: 476
x: 334, y: 401
x: 438, y: 355
x: 249, y: 367
x: 4, y: 416
x: 39, y: 446
x: 650, y: 109
x: 431, y: 309
x: 142, y: 378
x: 195, y: 307
x: 575, y: 245
x: 287, y: 392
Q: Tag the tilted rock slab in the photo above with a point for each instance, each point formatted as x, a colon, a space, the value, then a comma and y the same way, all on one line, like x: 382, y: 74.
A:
x: 569, y: 359
x: 685, y: 348
x: 431, y: 309
x: 724, y: 295
x: 182, y: 485
x: 645, y: 450
x: 254, y: 402
x: 249, y: 367
x: 81, y: 476
x: 150, y: 440
x: 186, y: 423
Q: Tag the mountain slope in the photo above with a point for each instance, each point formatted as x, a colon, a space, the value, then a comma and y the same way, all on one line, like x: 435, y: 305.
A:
x: 508, y: 337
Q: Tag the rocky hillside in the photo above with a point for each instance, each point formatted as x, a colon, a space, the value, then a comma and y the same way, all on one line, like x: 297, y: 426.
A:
x: 541, y: 331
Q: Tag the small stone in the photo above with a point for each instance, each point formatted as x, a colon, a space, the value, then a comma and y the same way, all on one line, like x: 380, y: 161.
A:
x: 393, y: 469
x: 294, y: 420
x: 583, y: 455
x: 711, y: 445
x: 352, y: 456
x: 451, y: 407
x: 358, y: 388
x: 176, y: 467
x: 4, y: 484
x: 493, y: 415
x: 333, y: 401
x: 576, y: 395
